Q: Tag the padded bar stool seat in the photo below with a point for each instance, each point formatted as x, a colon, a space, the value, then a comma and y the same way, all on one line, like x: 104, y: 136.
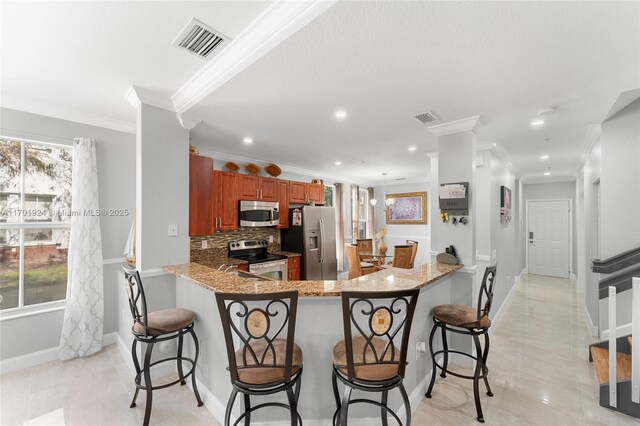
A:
x: 166, y: 321
x: 461, y: 316
x: 261, y: 375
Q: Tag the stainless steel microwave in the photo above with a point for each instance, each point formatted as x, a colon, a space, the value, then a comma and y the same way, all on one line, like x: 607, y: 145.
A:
x: 259, y: 213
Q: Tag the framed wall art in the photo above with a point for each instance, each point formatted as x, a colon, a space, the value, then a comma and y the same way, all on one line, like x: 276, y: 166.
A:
x: 408, y: 208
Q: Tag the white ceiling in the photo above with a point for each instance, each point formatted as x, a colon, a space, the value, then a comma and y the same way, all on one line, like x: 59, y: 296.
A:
x: 383, y: 62
x: 84, y: 55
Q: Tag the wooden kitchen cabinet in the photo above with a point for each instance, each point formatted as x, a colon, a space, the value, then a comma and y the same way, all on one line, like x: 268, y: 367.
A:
x: 306, y: 193
x: 225, y: 205
x: 294, y: 268
x: 268, y: 189
x: 297, y: 192
x: 248, y: 187
x: 200, y: 195
x: 283, y: 202
x: 256, y: 188
x: 315, y: 193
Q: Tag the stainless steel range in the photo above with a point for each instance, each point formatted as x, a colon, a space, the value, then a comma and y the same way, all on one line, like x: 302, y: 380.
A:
x: 261, y: 262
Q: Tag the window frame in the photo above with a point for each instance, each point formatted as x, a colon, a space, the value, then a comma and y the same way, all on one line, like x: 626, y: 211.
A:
x: 23, y: 310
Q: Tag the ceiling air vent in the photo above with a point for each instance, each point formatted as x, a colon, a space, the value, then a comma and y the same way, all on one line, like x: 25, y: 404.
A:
x: 200, y: 40
x: 427, y: 117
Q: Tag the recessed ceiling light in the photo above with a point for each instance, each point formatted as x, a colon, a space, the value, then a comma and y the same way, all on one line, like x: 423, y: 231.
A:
x: 412, y: 148
x: 537, y: 122
x: 547, y: 173
x: 341, y: 114
x: 495, y: 145
x: 337, y: 163
x: 248, y: 140
x: 544, y: 157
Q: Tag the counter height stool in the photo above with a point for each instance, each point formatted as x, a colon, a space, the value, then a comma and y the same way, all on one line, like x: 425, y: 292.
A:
x: 264, y: 362
x: 154, y: 327
x: 368, y: 359
x: 472, y: 322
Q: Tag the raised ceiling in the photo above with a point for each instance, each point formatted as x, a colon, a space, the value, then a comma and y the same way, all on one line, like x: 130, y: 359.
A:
x: 382, y: 62
x: 385, y: 62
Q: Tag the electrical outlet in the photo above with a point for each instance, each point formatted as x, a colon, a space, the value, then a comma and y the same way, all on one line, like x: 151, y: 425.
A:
x: 172, y: 231
x: 270, y: 238
x: 421, y: 347
x: 205, y: 244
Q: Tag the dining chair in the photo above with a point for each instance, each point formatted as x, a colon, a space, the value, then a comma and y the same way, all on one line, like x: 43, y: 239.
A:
x: 402, y: 256
x: 365, y: 245
x: 357, y: 267
x: 414, y: 252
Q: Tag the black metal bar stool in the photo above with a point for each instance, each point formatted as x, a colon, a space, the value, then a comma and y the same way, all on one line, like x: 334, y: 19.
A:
x: 370, y: 361
x: 265, y: 363
x: 469, y: 321
x: 154, y: 327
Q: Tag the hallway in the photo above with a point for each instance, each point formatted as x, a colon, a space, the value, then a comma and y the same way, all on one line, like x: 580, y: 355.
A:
x: 539, y: 367
x: 539, y: 373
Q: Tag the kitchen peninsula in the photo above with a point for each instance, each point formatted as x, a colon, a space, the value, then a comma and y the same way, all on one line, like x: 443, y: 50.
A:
x: 318, y: 328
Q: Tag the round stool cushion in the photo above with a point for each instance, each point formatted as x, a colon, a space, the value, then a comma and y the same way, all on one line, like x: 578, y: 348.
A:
x: 365, y: 365
x: 268, y: 372
x: 460, y: 316
x: 166, y: 321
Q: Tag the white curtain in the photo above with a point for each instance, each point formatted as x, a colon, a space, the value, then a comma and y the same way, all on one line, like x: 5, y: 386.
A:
x: 83, y: 317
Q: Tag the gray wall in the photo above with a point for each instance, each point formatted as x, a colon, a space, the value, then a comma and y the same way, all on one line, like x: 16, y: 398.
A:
x: 555, y: 190
x: 398, y: 234
x: 116, y: 179
x: 503, y: 235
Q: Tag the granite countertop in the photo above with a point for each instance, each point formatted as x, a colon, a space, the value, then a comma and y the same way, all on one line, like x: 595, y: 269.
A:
x: 388, y: 279
x: 288, y: 253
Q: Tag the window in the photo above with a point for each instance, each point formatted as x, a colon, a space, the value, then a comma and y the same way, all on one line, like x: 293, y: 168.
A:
x: 35, y: 205
x: 363, y: 211
x: 329, y: 191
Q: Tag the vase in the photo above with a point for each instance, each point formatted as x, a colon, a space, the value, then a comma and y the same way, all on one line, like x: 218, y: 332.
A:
x: 382, y: 247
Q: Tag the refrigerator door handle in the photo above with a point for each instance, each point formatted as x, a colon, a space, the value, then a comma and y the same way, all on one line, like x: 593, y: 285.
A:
x: 321, y: 226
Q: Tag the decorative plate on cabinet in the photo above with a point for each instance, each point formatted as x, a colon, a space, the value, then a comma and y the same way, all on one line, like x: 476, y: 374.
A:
x: 193, y: 149
x: 252, y: 168
x: 273, y: 170
x: 232, y: 166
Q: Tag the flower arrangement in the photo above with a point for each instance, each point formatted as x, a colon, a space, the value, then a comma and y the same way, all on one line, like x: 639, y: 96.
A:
x: 382, y: 247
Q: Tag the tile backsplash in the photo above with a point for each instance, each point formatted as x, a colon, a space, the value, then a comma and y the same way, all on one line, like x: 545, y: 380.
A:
x: 218, y: 243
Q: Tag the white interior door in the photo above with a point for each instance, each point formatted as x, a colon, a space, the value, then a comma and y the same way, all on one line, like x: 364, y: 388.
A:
x: 548, y: 236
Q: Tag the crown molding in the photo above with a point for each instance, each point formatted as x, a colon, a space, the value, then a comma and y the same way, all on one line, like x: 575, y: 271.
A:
x: 591, y: 139
x: 464, y: 124
x: 225, y: 156
x: 277, y: 23
x: 18, y: 103
x: 624, y: 100
x: 188, y: 122
x: 137, y: 95
x: 534, y: 179
x: 496, y: 148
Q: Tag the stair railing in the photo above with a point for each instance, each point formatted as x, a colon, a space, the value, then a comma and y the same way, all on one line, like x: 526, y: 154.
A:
x: 613, y: 349
x: 635, y: 349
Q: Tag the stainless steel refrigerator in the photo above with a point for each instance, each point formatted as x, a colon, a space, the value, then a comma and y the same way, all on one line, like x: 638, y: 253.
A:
x: 312, y: 233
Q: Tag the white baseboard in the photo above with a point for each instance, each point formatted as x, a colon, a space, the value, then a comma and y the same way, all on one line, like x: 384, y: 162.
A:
x: 621, y: 330
x: 592, y: 328
x: 125, y: 351
x: 498, y: 315
x: 40, y: 357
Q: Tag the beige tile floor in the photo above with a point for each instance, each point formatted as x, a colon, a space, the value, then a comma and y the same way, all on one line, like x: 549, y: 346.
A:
x: 540, y: 375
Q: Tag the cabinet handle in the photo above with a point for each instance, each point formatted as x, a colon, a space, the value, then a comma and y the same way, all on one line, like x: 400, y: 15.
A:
x: 261, y: 194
